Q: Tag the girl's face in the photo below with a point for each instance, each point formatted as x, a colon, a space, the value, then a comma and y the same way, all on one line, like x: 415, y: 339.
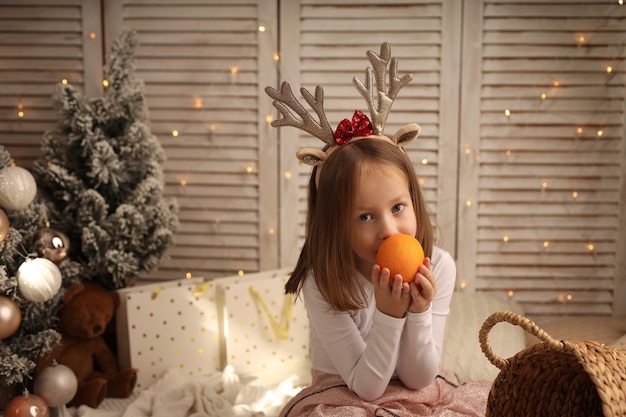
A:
x: 383, y: 207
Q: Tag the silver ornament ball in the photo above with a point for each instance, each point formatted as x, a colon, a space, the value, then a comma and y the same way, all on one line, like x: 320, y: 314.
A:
x: 56, y: 384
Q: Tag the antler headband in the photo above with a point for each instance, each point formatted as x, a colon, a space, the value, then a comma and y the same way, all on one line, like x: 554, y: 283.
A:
x: 378, y: 96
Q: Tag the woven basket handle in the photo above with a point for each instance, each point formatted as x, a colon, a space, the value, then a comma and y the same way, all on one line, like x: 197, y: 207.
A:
x: 517, y: 320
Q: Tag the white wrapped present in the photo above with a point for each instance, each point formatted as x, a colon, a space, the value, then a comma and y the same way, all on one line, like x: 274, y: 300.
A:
x: 265, y: 331
x: 169, y: 324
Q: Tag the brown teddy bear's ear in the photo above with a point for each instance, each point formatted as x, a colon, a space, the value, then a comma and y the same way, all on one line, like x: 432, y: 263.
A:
x: 72, y: 291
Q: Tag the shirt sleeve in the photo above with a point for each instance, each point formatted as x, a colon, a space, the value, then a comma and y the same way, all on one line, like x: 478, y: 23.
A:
x: 365, y: 364
x: 422, y: 339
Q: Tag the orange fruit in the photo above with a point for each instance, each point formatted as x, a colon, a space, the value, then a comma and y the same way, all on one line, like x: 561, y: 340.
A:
x: 401, y: 254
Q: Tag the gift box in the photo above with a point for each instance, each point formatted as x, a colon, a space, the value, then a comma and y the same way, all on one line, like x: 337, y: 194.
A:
x: 169, y: 324
x: 265, y: 331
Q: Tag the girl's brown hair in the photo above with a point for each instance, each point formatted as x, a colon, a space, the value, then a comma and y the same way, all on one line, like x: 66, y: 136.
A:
x: 327, y: 252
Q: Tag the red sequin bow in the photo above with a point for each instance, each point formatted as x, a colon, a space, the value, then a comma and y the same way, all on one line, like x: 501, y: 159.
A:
x: 360, y: 125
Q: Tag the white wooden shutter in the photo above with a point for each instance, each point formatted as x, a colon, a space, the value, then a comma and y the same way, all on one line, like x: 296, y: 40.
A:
x: 325, y: 42
x: 41, y: 44
x: 541, y: 189
x: 205, y: 64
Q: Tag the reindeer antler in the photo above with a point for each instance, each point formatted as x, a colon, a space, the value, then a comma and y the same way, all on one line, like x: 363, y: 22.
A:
x: 286, y: 102
x: 379, y: 101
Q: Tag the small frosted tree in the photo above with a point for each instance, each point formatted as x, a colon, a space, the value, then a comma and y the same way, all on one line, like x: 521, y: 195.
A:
x: 36, y: 334
x: 101, y: 176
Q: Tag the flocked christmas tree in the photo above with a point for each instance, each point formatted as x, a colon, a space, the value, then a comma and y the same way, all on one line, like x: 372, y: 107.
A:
x: 102, y: 177
x: 28, y: 308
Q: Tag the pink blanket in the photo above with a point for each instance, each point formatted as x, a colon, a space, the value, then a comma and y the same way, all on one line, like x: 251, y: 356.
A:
x: 328, y: 396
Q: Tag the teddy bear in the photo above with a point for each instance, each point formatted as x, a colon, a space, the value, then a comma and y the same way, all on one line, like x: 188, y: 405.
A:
x: 87, y: 310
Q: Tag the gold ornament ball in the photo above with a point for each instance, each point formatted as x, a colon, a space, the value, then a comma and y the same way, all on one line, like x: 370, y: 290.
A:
x: 38, y: 279
x: 56, y: 384
x: 4, y: 225
x: 10, y: 317
x: 53, y: 245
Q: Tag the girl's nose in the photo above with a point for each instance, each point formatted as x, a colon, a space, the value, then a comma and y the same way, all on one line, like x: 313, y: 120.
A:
x: 387, y: 228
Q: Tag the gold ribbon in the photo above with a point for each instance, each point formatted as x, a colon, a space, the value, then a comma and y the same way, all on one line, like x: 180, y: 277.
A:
x: 202, y: 288
x: 280, y: 330
x: 156, y: 292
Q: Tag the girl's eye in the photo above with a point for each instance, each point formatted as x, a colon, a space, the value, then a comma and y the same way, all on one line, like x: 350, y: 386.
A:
x: 398, y: 208
x: 365, y: 217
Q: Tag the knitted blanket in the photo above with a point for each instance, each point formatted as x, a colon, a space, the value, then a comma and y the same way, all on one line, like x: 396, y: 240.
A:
x: 328, y: 396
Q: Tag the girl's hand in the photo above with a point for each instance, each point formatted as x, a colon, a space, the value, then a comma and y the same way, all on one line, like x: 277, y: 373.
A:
x: 423, y: 288
x: 392, y: 300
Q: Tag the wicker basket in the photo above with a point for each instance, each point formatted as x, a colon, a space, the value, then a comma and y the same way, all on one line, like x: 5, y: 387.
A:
x: 555, y: 378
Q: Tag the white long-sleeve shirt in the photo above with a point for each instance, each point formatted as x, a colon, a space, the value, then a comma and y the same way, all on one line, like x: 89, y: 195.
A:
x: 367, y: 348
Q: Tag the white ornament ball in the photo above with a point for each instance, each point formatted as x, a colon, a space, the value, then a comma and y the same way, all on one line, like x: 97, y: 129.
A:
x: 56, y: 384
x: 38, y: 279
x: 17, y: 188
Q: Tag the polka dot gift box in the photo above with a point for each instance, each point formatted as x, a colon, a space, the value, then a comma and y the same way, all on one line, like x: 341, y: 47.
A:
x: 171, y: 324
x: 266, y: 332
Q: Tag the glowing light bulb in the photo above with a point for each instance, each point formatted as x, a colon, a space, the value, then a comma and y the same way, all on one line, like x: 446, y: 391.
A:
x: 175, y: 133
x: 609, y: 69
x: 64, y: 81
x: 183, y: 183
x: 463, y: 284
x: 262, y: 28
x: 271, y: 231
x: 92, y: 35
x: 287, y: 175
x: 233, y: 74
x: 507, y: 113
x: 544, y: 96
x: 424, y: 161
x: 579, y: 130
x: 508, y: 152
x: 575, y: 194
x: 198, y: 102
x: 505, y: 238
x: 546, y: 244
x: 569, y: 297
x: 468, y: 150
x: 20, y: 114
x: 590, y: 247
x: 276, y: 57
x: 510, y: 293
x: 581, y: 39
x: 544, y: 185
x: 555, y: 83
x: 105, y: 83
x: 188, y: 275
x: 240, y: 273
x: 249, y: 170
x: 468, y: 203
x: 600, y: 133
x: 269, y: 118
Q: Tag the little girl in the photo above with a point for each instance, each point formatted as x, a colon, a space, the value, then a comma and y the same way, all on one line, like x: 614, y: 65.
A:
x: 376, y: 340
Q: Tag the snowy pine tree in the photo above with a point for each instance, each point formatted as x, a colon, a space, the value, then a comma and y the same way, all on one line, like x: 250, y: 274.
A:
x: 102, y: 177
x: 36, y: 334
